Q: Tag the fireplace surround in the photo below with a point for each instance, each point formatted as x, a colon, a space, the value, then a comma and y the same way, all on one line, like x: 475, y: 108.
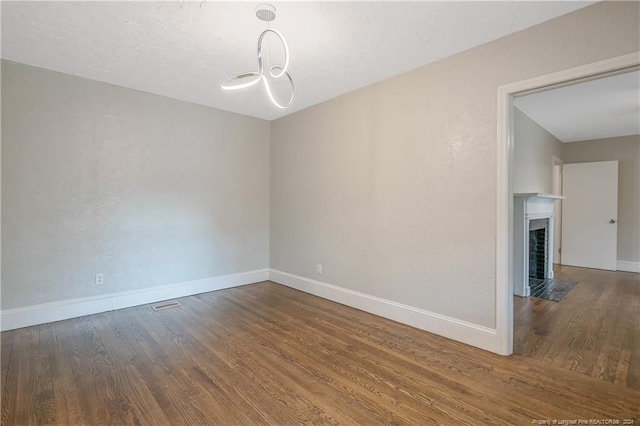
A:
x: 532, y: 239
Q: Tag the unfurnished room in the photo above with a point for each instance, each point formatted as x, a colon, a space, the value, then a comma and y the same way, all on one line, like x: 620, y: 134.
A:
x: 320, y: 212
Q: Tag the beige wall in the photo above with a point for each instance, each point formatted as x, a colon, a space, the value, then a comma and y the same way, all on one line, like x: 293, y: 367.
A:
x: 147, y: 190
x: 393, y: 187
x: 533, y: 151
x: 626, y: 150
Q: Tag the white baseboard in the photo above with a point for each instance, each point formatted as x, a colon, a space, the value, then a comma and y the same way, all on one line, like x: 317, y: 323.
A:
x: 462, y: 331
x: 65, y: 309
x: 624, y: 265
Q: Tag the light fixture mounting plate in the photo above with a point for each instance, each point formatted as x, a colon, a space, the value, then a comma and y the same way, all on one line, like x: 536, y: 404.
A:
x: 266, y: 12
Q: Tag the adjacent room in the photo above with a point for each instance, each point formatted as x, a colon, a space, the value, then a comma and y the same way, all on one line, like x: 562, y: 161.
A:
x: 577, y: 168
x: 320, y: 212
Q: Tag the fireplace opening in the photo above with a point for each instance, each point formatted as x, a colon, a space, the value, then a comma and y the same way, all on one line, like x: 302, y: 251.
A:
x: 538, y: 248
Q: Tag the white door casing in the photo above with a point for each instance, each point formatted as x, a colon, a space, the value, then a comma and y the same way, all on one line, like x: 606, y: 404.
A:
x: 557, y: 209
x: 590, y: 215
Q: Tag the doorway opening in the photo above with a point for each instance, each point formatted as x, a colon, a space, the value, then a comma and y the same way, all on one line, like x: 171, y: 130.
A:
x: 505, y: 193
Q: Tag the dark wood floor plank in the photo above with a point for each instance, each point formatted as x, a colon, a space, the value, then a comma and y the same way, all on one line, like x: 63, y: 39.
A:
x: 367, y: 364
x: 133, y: 396
x: 360, y: 388
x: 371, y: 368
x: 8, y: 407
x: 633, y: 366
x: 199, y: 361
x: 592, y: 331
x: 5, y: 354
x: 84, y: 374
x: 447, y: 361
x: 292, y: 345
x: 33, y: 398
x: 8, y: 391
x: 67, y: 389
x: 44, y: 402
x: 181, y: 401
x: 282, y: 372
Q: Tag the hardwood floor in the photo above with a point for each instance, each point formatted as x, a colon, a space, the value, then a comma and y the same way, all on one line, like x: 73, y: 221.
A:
x: 594, y: 330
x: 267, y: 354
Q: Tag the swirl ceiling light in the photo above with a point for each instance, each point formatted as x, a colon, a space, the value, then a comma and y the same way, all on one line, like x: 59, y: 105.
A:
x: 265, y: 73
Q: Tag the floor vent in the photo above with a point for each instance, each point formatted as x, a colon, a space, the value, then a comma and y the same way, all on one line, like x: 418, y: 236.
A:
x: 165, y: 306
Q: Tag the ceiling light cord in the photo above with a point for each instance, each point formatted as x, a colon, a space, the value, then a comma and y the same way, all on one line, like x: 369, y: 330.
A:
x: 265, y: 73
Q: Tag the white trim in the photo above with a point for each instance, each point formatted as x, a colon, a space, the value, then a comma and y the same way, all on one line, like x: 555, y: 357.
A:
x: 627, y: 266
x: 0, y: 167
x: 462, y: 331
x: 72, y: 308
x: 557, y: 166
x: 504, y: 225
x: 504, y: 192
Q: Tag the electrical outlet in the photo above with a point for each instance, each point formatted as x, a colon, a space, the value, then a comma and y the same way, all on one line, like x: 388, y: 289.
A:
x: 319, y: 268
x: 99, y: 279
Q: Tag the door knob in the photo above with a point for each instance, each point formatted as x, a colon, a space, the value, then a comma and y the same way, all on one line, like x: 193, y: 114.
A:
x: 612, y: 221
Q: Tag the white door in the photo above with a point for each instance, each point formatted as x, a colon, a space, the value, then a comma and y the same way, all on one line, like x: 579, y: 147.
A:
x: 590, y: 214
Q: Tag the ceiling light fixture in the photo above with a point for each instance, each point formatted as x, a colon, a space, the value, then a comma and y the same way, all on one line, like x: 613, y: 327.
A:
x: 265, y: 12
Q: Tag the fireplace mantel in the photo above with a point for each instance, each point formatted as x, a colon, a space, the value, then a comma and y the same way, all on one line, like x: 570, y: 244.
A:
x: 536, y: 205
x: 538, y: 194
x: 528, y: 206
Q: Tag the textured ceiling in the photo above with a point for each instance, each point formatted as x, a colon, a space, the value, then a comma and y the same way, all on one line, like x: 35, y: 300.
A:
x: 185, y: 49
x: 597, y: 109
